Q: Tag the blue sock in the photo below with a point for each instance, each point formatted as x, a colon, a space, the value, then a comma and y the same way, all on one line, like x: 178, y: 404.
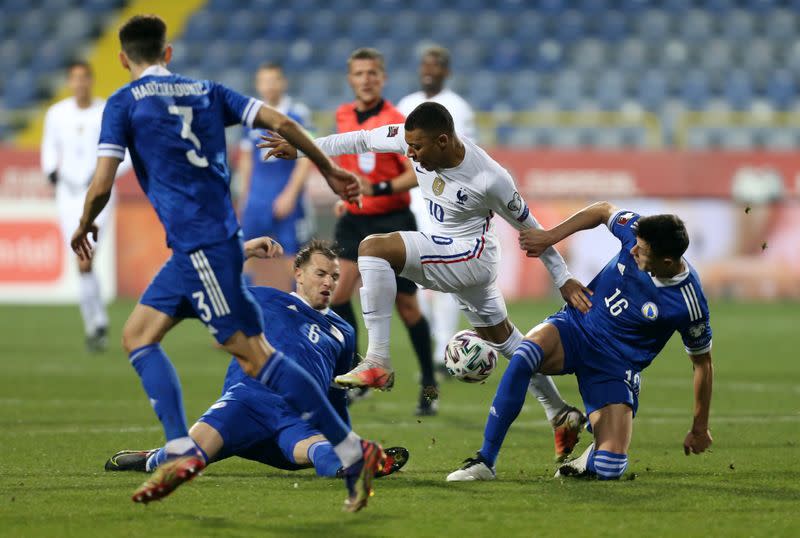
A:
x: 161, y: 383
x: 509, y: 398
x: 325, y: 460
x: 607, y: 465
x: 300, y: 390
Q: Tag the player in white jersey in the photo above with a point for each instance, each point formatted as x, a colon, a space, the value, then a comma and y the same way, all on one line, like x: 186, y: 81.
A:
x: 434, y: 69
x: 463, y: 189
x: 68, y: 157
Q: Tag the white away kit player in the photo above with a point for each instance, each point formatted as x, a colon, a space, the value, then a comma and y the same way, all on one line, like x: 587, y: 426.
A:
x: 434, y: 69
x: 68, y: 158
x: 463, y: 188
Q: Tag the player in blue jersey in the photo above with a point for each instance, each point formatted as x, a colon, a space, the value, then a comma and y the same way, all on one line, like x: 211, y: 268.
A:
x: 253, y: 422
x: 643, y: 295
x: 272, y: 200
x: 174, y: 128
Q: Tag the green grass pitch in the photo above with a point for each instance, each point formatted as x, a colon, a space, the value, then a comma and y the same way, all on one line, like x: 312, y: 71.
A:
x: 62, y: 413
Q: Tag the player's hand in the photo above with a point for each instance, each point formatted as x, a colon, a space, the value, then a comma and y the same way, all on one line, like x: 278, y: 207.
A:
x: 278, y: 147
x: 535, y: 241
x: 697, y: 442
x: 283, y: 205
x: 339, y: 209
x: 80, y: 240
x: 577, y: 295
x: 262, y: 247
x: 344, y: 183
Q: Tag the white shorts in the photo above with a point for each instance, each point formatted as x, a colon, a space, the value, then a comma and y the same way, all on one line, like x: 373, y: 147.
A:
x: 69, y: 201
x: 467, y: 268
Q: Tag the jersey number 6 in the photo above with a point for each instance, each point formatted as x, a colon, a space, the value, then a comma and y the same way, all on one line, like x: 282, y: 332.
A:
x: 186, y: 114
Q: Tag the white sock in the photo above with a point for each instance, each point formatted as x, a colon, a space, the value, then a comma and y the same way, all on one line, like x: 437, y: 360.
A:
x: 349, y: 450
x: 444, y: 323
x: 541, y: 386
x: 377, y: 301
x: 180, y: 445
x: 89, y: 298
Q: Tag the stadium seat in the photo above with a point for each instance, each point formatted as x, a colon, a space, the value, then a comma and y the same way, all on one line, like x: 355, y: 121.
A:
x: 737, y: 139
x: 589, y: 56
x: 611, y: 26
x: 696, y: 27
x: 506, y: 56
x: 739, y: 90
x: 524, y: 90
x: 569, y: 27
x: 528, y: 27
x: 652, y: 90
x: 739, y: 25
x: 696, y: 90
x: 781, y: 139
x: 652, y: 26
x: 609, y: 90
x: 631, y: 55
x: 281, y: 25
x: 322, y: 26
x: 568, y: 89
x: 781, y: 89
x: 549, y: 56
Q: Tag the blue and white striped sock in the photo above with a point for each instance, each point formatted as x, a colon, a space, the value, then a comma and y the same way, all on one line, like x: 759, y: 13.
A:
x: 607, y: 465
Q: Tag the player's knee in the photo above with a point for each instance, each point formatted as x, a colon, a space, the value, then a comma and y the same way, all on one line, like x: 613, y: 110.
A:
x: 372, y: 245
x: 135, y: 336
x: 608, y: 465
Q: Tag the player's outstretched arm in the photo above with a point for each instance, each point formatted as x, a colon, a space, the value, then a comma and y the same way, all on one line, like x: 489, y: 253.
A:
x: 96, y: 199
x: 535, y: 241
x: 403, y: 182
x: 340, y: 181
x: 699, y: 437
x: 262, y: 247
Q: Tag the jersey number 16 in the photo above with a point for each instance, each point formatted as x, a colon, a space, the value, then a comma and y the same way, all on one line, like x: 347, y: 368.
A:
x: 617, y: 307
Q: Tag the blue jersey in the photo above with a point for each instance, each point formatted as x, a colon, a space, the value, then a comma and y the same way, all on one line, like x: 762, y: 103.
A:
x: 174, y: 128
x: 322, y: 343
x: 269, y: 178
x: 634, y: 314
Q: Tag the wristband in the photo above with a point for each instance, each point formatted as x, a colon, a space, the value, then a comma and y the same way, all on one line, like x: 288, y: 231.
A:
x: 382, y: 189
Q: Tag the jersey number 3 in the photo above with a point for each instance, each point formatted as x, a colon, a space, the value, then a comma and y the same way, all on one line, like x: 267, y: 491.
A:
x: 186, y: 114
x: 617, y: 307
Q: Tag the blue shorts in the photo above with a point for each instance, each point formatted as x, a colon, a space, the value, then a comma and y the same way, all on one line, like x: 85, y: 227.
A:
x: 258, y: 221
x: 602, y: 380
x: 257, y: 424
x: 207, y: 284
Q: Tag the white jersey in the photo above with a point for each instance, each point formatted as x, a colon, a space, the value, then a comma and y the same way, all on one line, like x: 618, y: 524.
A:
x: 462, y: 200
x: 69, y: 146
x: 463, y: 116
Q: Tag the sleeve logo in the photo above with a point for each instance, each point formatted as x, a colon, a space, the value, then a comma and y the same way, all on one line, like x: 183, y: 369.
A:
x: 515, y: 204
x: 697, y: 330
x: 625, y: 218
x: 392, y: 132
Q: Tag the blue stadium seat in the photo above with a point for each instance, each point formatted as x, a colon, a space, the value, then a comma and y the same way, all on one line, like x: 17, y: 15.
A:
x: 780, y: 26
x: 567, y: 89
x: 634, y: 6
x: 697, y: 27
x: 314, y: 88
x: 696, y: 90
x: 652, y: 90
x: 281, y: 25
x: 758, y: 57
x: 491, y: 25
x: 589, y: 56
x: 760, y: 6
x: 570, y: 26
x: 781, y: 89
x: 467, y: 55
x: 521, y: 137
x: 299, y: 56
x: 738, y: 139
x: 719, y: 6
x: 51, y: 56
x: 609, y: 90
x: 652, y: 26
x: 365, y: 26
x: 387, y: 6
x: 611, y: 25
x: 244, y: 27
x: 404, y: 24
x: 593, y: 7
x: 552, y: 7
x: 528, y: 27
x: 739, y: 25
x: 322, y: 26
x: 567, y: 138
x: 33, y: 26
x: 450, y: 26
x: 738, y: 90
x: 15, y: 7
x: 549, y: 56
x: 21, y: 89
x: 631, y: 55
x: 98, y: 7
x: 483, y: 89
x: 677, y: 6
x: 781, y: 139
x: 202, y: 26
x: 511, y: 7
x: 336, y: 54
x: 524, y: 90
x: 400, y: 84
x: 506, y: 56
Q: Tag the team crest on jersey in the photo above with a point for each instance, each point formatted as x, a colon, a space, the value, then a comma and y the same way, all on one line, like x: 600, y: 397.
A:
x: 438, y: 186
x: 366, y: 162
x: 392, y: 132
x: 461, y: 197
x: 515, y: 204
x: 650, y: 311
x: 623, y: 219
x: 697, y: 330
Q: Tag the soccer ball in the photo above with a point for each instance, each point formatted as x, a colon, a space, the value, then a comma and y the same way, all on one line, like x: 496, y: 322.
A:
x: 469, y: 358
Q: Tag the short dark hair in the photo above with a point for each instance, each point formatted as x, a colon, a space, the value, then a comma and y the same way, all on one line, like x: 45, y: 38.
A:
x: 367, y: 53
x: 438, y: 53
x: 270, y: 66
x: 315, y: 246
x: 665, y: 234
x: 432, y: 118
x: 83, y: 64
x: 143, y: 38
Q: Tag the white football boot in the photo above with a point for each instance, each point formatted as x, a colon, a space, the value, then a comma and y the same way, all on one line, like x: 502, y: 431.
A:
x: 576, y: 467
x: 473, y: 469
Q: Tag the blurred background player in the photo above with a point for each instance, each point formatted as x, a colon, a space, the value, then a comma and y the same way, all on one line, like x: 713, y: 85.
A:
x: 382, y: 211
x: 68, y: 158
x: 252, y: 422
x: 434, y: 70
x: 272, y: 199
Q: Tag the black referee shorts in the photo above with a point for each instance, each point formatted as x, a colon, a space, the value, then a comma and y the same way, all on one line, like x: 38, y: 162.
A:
x: 352, y: 229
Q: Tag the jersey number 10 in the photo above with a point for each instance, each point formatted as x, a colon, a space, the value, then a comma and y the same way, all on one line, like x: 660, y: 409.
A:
x: 186, y: 114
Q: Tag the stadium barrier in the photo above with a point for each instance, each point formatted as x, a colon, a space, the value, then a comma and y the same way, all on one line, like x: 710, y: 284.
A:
x: 742, y: 210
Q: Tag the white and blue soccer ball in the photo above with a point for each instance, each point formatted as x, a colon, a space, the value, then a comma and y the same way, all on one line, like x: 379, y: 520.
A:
x: 469, y: 358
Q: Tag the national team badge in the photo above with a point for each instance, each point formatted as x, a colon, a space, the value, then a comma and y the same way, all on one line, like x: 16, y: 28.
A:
x: 438, y: 186
x: 461, y: 197
x: 515, y: 204
x: 650, y: 311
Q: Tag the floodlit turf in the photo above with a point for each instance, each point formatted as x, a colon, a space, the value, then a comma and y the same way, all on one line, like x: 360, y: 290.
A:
x: 62, y: 413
